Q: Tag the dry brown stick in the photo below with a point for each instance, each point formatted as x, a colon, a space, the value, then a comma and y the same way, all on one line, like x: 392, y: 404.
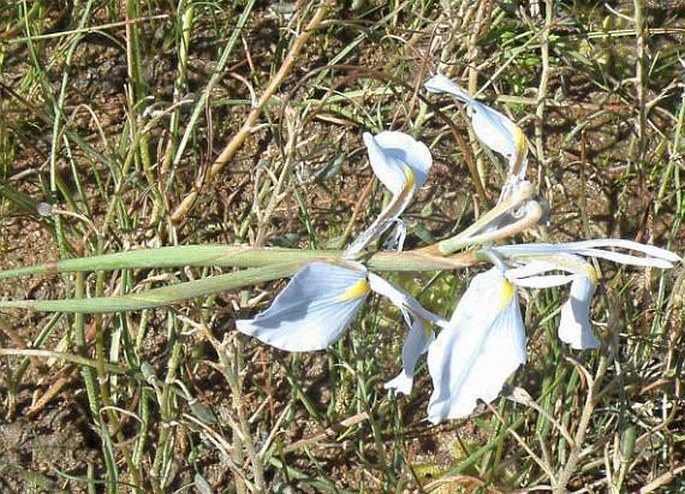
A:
x: 238, y: 139
x: 663, y: 479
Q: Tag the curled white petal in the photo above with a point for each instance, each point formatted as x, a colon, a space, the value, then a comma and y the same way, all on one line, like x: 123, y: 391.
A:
x: 628, y: 259
x: 574, y: 327
x: 530, y: 275
x: 649, y: 250
x: 533, y: 268
x: 417, y: 342
x: 398, y: 160
x: 402, y: 164
x: 482, y: 345
x: 313, y: 310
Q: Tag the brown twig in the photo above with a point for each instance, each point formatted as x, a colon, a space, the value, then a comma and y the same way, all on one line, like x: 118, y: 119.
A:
x: 238, y: 139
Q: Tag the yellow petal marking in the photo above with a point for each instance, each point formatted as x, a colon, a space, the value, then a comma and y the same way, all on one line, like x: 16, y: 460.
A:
x: 592, y: 274
x: 411, y: 179
x: 506, y: 295
x: 358, y: 290
x: 521, y: 149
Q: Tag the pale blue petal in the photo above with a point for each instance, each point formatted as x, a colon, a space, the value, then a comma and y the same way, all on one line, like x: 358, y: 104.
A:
x: 441, y: 84
x: 417, y: 342
x: 574, y: 327
x: 494, y: 129
x: 482, y: 345
x: 389, y: 171
x: 402, y: 164
x: 313, y: 310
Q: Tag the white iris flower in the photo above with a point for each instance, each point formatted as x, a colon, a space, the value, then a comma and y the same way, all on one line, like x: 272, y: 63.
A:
x: 491, y: 127
x: 402, y: 164
x: 320, y: 302
x: 484, y: 341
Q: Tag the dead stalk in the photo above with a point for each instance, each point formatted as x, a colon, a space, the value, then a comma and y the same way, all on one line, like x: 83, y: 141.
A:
x: 235, y: 144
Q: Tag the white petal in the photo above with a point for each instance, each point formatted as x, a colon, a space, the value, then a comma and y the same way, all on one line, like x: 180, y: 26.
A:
x: 313, y: 310
x: 656, y: 257
x: 492, y: 128
x: 441, y: 84
x: 402, y: 299
x: 574, y: 327
x: 483, y: 344
x: 649, y: 250
x: 627, y: 259
x: 417, y: 342
x: 398, y: 160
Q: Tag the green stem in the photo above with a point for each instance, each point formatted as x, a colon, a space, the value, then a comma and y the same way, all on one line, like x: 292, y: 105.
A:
x: 158, y: 297
x: 234, y: 256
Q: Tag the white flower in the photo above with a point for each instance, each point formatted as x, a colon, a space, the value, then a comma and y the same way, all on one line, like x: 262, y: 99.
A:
x: 318, y: 305
x: 483, y: 343
x: 402, y: 164
x: 491, y: 127
x: 527, y: 263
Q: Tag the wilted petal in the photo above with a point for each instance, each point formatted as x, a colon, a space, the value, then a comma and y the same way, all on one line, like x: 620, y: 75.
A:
x: 574, y: 327
x: 313, y: 310
x: 482, y: 345
x: 419, y: 337
x: 491, y: 127
x: 417, y: 342
x: 398, y: 160
x: 396, y: 240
